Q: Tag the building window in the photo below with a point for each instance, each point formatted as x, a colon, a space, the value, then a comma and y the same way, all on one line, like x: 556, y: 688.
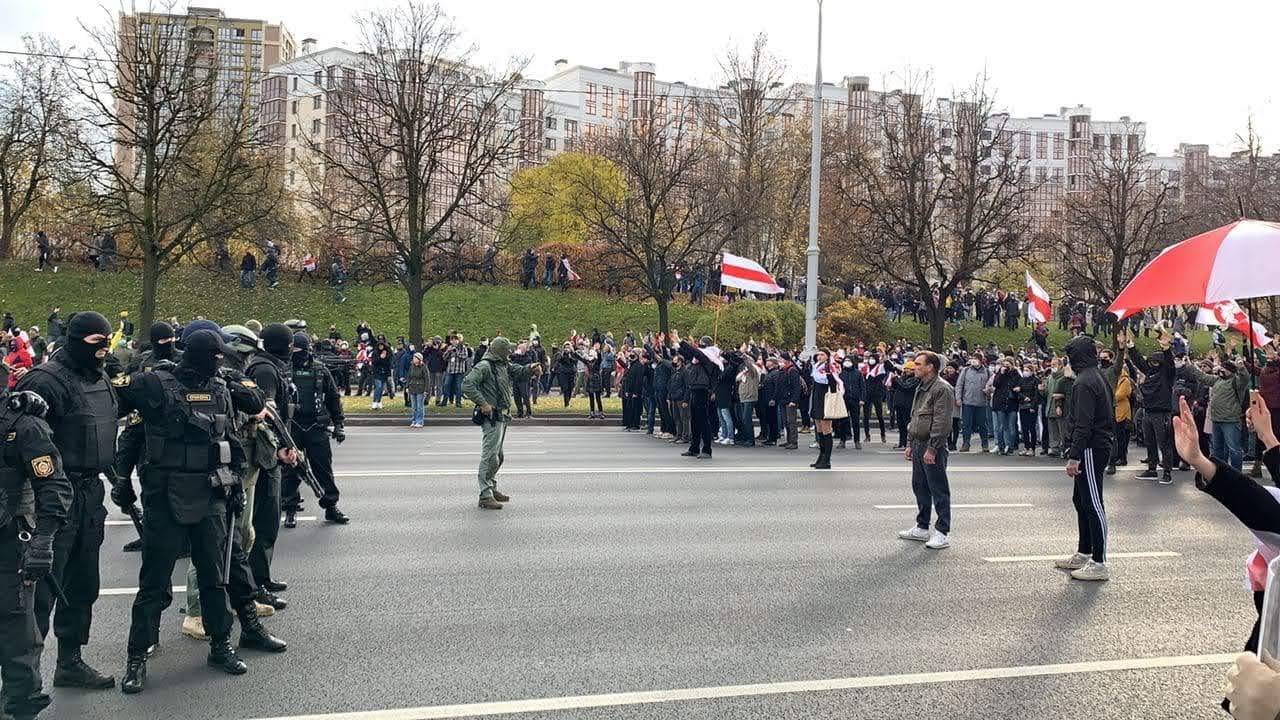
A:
x: 240, y: 32
x: 293, y: 107
x: 570, y: 128
x: 295, y: 82
x: 318, y: 78
x: 315, y: 103
x: 1024, y: 145
x: 1135, y: 146
x: 551, y: 123
x: 946, y: 133
x: 591, y: 99
x: 1116, y: 140
x: 1057, y: 176
x: 607, y: 109
x: 1175, y: 176
x: 257, y: 35
x: 549, y: 143
x: 1042, y: 174
x: 293, y: 153
x: 1058, y: 142
x: 1042, y: 146
x: 290, y: 177
x: 293, y: 130
x: 623, y: 100
x: 1097, y: 142
x: 315, y: 126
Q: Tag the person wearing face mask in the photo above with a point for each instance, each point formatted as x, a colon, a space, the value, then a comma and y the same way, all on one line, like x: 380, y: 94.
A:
x: 488, y: 385
x: 319, y: 405
x: 83, y: 411
x: 855, y: 387
x: 189, y: 485
x: 1156, y: 392
x: 875, y: 374
x: 1088, y: 439
x: 971, y: 398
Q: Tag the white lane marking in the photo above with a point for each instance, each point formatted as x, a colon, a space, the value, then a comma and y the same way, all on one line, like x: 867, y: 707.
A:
x: 763, y: 689
x: 114, y: 592
x: 129, y: 523
x: 477, y: 453
x: 1048, y: 558
x: 958, y: 505
x: 694, y: 468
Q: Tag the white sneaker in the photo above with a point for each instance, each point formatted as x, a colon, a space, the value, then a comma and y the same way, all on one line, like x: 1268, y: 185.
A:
x: 813, y: 444
x: 1074, y: 562
x: 915, y: 533
x: 1092, y: 572
x: 939, y: 541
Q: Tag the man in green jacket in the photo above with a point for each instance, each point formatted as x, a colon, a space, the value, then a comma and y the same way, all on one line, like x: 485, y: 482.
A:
x: 488, y: 385
x: 1228, y: 396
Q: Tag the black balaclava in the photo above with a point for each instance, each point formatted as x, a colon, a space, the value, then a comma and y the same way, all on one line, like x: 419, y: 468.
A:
x: 1082, y: 353
x: 277, y: 339
x: 160, y: 332
x: 301, y: 350
x: 201, y: 354
x: 81, y: 326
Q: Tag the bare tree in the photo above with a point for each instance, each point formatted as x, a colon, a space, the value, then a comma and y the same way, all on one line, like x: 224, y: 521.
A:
x: 168, y: 137
x: 1124, y: 212
x: 766, y: 168
x: 934, y: 198
x: 1222, y: 189
x: 674, y: 203
x: 418, y: 146
x: 33, y: 124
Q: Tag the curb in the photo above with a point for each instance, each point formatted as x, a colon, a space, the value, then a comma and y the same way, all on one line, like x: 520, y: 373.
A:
x: 367, y: 420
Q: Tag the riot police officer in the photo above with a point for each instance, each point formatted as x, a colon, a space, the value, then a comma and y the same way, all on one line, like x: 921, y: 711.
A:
x: 129, y: 445
x: 319, y: 404
x: 35, y: 496
x: 269, y: 371
x: 82, y: 413
x: 190, y: 491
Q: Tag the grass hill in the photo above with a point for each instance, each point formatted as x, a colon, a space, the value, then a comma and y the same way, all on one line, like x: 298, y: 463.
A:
x: 474, y: 310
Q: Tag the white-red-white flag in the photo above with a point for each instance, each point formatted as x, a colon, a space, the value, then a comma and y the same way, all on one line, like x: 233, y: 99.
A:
x: 1039, y: 309
x: 1228, y: 313
x: 745, y: 274
x: 573, y: 276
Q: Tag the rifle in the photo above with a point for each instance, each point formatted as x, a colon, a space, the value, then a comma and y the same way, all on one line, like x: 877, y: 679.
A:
x: 303, y: 468
x: 136, y: 516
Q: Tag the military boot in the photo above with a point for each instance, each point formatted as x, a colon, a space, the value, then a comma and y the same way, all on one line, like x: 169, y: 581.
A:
x: 224, y: 657
x: 266, y: 597
x: 254, y: 635
x: 291, y: 518
x: 135, y: 675
x: 73, y: 671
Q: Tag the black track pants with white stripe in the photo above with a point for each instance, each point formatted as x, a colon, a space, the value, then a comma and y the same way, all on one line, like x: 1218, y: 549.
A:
x: 1091, y: 515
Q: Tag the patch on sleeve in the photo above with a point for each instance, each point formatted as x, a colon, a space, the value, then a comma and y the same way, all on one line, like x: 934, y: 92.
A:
x: 199, y: 397
x: 11, y: 437
x: 248, y: 383
x: 122, y: 380
x: 42, y: 466
x: 134, y: 418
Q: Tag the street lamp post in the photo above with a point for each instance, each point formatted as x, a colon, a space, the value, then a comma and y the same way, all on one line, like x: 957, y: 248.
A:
x: 815, y: 176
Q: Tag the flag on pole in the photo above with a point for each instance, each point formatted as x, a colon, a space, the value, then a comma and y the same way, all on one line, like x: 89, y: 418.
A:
x: 744, y: 274
x: 1039, y: 309
x: 1228, y: 313
x: 573, y: 276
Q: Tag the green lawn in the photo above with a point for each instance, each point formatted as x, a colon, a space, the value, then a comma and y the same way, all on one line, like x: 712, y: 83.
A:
x: 474, y: 310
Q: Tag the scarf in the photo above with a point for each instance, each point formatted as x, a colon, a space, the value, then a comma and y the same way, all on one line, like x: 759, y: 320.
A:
x: 833, y: 371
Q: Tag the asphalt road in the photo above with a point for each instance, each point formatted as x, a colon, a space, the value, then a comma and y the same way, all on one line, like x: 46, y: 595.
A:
x: 753, y: 586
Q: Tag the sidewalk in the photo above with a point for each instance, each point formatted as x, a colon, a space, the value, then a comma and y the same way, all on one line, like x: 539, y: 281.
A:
x: 390, y: 420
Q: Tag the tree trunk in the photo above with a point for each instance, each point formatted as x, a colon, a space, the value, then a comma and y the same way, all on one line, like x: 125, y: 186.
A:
x: 413, y: 286
x: 6, y: 238
x: 150, y: 286
x: 664, y: 320
x: 937, y: 329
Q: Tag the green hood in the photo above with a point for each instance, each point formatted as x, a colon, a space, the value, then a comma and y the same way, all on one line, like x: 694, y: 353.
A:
x: 500, y: 349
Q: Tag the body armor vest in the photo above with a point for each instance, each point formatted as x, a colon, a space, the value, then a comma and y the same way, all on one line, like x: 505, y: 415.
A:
x: 86, y: 431
x: 17, y: 499
x: 193, y: 437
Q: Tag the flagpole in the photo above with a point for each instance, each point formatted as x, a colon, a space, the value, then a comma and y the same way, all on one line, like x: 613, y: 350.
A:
x: 815, y: 176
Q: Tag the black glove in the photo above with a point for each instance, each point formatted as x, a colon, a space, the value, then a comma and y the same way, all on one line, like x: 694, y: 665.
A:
x: 236, y: 499
x: 28, y: 402
x: 38, y: 560
x: 339, y: 433
x: 230, y: 374
x: 122, y: 493
x: 165, y: 365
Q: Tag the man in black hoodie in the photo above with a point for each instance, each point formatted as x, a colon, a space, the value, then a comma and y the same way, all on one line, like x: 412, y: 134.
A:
x: 1089, y: 438
x: 1159, y: 375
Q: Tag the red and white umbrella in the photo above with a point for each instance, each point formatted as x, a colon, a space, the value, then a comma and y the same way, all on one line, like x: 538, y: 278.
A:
x: 1233, y: 262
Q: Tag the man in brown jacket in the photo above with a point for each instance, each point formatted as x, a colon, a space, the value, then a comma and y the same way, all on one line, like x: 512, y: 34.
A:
x: 928, y: 431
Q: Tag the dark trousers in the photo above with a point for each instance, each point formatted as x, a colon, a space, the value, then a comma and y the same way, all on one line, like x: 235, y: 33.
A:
x: 1091, y: 515
x: 769, y: 423
x: 566, y: 387
x: 1121, y: 452
x: 745, y: 432
x: 901, y: 418
x: 931, y: 488
x: 266, y: 524
x: 1157, y: 432
x: 700, y: 433
x: 20, y: 641
x: 521, y: 394
x: 680, y: 410
x: 668, y: 423
x: 804, y: 408
x: 314, y: 443
x: 597, y: 405
x: 1027, y: 423
x: 651, y: 411
x: 866, y: 417
x: 162, y: 539
x: 631, y: 409
x: 788, y: 416
x: 606, y: 382
x: 75, y: 564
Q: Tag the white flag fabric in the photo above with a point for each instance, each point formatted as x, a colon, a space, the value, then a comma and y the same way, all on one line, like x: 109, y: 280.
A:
x: 1228, y: 313
x: 1039, y: 309
x: 744, y: 274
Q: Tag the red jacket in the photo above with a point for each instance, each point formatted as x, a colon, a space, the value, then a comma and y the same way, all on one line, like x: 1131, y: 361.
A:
x: 20, y: 358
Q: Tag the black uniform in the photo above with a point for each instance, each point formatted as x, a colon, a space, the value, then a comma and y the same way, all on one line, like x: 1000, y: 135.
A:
x: 1088, y: 436
x: 269, y: 372
x: 82, y: 414
x: 319, y: 405
x: 35, y: 496
x: 187, y: 481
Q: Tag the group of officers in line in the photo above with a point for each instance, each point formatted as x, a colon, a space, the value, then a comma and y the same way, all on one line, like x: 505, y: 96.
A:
x: 223, y: 425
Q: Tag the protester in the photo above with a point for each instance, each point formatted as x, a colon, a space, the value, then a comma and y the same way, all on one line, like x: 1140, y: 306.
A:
x: 1090, y: 417
x: 929, y: 428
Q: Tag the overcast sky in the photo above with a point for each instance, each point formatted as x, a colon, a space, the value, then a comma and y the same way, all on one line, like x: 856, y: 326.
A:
x: 1192, y: 77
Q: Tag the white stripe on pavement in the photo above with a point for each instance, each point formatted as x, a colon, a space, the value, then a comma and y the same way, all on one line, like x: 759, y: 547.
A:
x: 613, y: 700
x: 116, y: 592
x: 505, y: 453
x: 691, y: 468
x: 1047, y: 558
x: 129, y: 523
x: 958, y: 505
